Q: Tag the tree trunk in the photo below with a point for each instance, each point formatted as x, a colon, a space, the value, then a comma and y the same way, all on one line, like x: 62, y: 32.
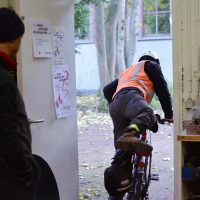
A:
x: 111, y: 27
x: 115, y: 40
x: 101, y: 45
x: 121, y: 37
x: 130, y: 43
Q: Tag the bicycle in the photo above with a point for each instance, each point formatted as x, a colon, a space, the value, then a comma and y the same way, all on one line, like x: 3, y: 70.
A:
x: 142, y: 170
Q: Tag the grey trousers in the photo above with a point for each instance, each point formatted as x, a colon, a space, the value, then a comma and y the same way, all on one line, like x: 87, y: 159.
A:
x: 129, y: 107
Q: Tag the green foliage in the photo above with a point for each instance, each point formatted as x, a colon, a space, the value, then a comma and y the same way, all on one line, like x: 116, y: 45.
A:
x: 162, y: 23
x: 163, y: 5
x: 81, y: 14
x: 93, y: 103
x: 87, y: 102
x: 103, y: 106
x: 81, y: 17
x: 90, y: 2
x: 149, y: 5
x: 150, y: 24
x: 155, y: 104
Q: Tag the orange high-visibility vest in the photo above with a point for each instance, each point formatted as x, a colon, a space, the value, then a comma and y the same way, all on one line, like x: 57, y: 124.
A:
x: 135, y: 76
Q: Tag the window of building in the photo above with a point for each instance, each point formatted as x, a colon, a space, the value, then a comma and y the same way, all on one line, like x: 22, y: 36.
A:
x: 156, y: 16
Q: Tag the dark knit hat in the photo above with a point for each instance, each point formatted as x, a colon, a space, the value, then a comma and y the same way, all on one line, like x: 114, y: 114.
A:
x: 11, y: 25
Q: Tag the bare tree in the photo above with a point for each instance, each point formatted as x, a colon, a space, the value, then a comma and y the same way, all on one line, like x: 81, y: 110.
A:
x: 111, y: 37
x: 101, y: 45
x: 130, y: 43
x: 115, y: 37
x: 121, y: 37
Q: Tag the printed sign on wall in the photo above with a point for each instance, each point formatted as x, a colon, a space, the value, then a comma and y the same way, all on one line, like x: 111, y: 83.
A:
x: 42, y: 38
x: 58, y: 45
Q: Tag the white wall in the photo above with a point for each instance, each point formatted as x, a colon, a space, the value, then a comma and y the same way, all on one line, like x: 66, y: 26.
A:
x: 86, y: 62
x: 54, y: 140
x: 164, y: 50
x: 87, y: 71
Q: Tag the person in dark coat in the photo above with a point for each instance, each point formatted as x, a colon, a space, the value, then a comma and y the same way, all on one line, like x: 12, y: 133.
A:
x: 19, y: 172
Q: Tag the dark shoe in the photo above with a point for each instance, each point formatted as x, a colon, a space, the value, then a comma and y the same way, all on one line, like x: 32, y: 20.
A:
x: 131, y: 143
x: 118, y: 177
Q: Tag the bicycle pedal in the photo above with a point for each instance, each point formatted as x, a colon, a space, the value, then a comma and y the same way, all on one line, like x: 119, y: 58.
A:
x: 155, y: 177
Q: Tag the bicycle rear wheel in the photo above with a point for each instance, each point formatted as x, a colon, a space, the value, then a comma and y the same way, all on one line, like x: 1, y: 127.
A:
x: 147, y: 177
x: 136, y: 192
x: 141, y: 182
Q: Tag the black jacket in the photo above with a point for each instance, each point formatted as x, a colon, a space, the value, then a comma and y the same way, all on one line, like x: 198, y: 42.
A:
x: 154, y: 72
x: 15, y: 136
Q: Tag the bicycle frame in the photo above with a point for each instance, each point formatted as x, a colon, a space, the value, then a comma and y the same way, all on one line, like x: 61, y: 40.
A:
x: 142, y: 169
x: 141, y: 175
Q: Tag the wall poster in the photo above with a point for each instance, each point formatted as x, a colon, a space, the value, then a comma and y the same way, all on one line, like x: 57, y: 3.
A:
x: 58, y: 45
x: 41, y: 38
x: 62, y: 101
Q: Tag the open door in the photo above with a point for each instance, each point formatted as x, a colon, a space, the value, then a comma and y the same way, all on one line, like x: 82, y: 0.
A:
x: 54, y: 140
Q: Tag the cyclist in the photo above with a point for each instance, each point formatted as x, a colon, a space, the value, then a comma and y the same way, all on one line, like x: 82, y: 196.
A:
x: 129, y: 98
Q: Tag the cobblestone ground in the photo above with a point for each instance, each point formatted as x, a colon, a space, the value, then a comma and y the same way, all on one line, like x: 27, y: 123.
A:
x: 95, y: 141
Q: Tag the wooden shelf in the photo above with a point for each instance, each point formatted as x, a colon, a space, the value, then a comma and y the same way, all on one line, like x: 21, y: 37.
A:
x: 188, y: 137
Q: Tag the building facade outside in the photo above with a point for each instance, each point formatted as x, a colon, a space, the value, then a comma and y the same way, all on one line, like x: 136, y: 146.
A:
x: 154, y: 33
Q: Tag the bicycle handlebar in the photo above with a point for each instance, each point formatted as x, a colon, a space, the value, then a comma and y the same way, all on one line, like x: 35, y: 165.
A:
x: 163, y: 120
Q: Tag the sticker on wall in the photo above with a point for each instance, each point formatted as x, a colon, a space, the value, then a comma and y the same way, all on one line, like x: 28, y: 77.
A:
x: 42, y: 38
x: 61, y: 79
x: 58, y: 45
